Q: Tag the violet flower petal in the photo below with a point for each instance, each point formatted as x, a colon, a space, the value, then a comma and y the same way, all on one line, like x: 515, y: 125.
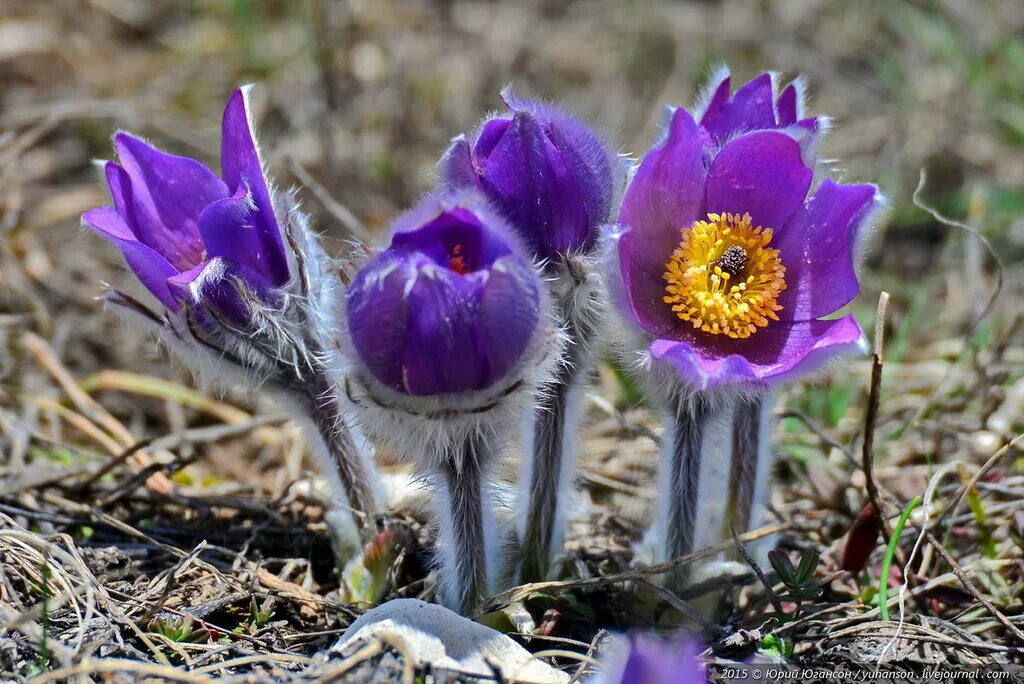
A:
x: 787, y: 106
x: 665, y: 197
x: 652, y: 660
x: 450, y: 307
x: 168, y: 193
x: 583, y: 152
x: 751, y: 108
x: 456, y: 166
x: 240, y: 164
x: 445, y: 354
x: 230, y: 229
x: 761, y: 173
x: 774, y: 354
x: 547, y: 172
x: 455, y: 226
x: 531, y: 182
x: 215, y: 284
x: 508, y: 312
x: 817, y: 248
x: 149, y: 266
x: 377, y: 314
x: 121, y: 191
x: 718, y: 101
x: 490, y: 135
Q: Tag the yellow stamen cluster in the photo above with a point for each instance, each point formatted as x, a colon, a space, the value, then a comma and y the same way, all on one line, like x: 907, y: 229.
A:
x: 734, y: 295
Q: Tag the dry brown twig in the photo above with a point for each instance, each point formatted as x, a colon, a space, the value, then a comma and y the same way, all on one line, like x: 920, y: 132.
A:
x: 871, y: 415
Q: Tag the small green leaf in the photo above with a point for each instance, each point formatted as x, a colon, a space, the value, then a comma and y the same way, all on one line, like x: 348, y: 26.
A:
x: 778, y: 647
x: 783, y: 566
x: 808, y: 564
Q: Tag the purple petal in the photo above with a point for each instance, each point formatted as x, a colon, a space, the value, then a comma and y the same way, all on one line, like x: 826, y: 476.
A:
x: 787, y: 105
x: 751, y: 108
x: 169, y: 192
x: 762, y: 174
x: 216, y: 284
x: 454, y: 227
x: 509, y: 309
x: 444, y: 352
x: 583, y: 151
x: 548, y: 173
x: 817, y: 247
x: 777, y: 353
x: 652, y: 660
x: 718, y: 100
x: 377, y: 312
x: 121, y: 191
x: 231, y: 229
x: 490, y: 136
x: 240, y: 163
x: 456, y: 167
x: 537, y: 188
x: 665, y: 196
x: 149, y: 267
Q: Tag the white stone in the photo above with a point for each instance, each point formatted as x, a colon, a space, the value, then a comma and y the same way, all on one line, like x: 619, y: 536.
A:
x: 429, y: 633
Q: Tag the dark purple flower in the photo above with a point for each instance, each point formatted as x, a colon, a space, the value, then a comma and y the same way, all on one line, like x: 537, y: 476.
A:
x: 651, y: 660
x: 730, y: 263
x: 755, y: 106
x: 451, y: 306
x: 548, y: 173
x: 188, y: 234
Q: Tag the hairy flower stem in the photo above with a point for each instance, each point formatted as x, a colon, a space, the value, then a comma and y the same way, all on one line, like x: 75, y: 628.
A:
x: 694, y: 453
x: 751, y: 460
x: 550, y: 450
x: 549, y: 463
x: 463, y: 532
x: 344, y: 460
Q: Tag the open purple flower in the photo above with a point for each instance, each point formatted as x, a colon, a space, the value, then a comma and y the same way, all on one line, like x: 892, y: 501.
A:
x: 240, y: 305
x: 452, y: 306
x: 730, y: 263
x: 188, y: 234
x: 647, y: 659
x: 548, y: 173
x: 756, y: 105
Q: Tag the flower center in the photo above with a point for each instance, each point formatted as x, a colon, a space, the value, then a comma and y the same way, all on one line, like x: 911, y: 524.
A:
x: 724, y: 278
x: 457, y: 262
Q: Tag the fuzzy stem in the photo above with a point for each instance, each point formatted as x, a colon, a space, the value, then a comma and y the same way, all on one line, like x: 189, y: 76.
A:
x: 463, y: 526
x: 752, y: 459
x: 346, y: 456
x: 695, y: 457
x: 681, y: 466
x: 746, y: 431
x: 549, y: 465
x: 344, y: 460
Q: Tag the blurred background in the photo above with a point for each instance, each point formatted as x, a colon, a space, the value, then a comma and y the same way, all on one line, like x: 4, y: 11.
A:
x: 355, y: 100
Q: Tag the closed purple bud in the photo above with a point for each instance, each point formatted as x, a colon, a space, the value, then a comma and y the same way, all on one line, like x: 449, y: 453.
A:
x: 547, y: 171
x: 191, y: 236
x: 451, y: 306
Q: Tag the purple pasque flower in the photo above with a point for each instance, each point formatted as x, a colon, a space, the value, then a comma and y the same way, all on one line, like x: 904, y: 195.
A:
x: 730, y: 262
x: 452, y: 306
x: 190, y: 235
x: 545, y: 170
x: 756, y: 105
x: 648, y: 659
